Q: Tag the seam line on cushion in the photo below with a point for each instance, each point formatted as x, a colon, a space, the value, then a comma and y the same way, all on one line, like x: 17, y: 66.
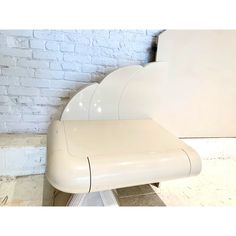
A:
x: 188, y: 160
x: 90, y: 175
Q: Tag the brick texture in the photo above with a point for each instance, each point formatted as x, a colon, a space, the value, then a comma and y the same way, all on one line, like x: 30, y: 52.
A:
x: 41, y: 69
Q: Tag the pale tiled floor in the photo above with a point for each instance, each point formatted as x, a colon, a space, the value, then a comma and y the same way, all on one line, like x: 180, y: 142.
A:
x: 36, y: 191
x: 25, y: 191
x: 215, y: 186
x: 139, y: 196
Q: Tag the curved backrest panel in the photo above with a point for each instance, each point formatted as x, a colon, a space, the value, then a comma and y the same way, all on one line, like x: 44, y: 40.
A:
x: 106, y: 98
x: 141, y: 96
x: 200, y: 91
x: 78, y: 106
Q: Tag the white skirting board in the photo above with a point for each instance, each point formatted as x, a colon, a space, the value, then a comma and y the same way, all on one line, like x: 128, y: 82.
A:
x: 22, y: 154
x: 26, y: 154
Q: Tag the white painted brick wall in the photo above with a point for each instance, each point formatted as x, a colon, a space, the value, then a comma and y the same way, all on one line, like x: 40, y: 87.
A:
x: 41, y: 69
x: 37, y: 44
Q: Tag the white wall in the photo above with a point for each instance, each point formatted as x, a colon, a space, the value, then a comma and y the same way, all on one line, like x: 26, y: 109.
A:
x: 41, y: 69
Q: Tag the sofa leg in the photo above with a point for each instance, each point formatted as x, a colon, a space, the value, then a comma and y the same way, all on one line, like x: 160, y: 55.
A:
x: 109, y: 198
x: 103, y: 198
x: 76, y: 199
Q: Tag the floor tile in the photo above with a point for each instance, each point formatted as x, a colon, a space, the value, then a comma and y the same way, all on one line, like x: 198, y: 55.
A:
x: 142, y: 200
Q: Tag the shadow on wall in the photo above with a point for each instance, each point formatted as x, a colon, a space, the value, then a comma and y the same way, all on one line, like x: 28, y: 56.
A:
x: 154, y: 46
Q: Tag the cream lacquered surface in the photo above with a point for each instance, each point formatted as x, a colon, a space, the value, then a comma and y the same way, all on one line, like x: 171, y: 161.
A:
x: 198, y: 98
x: 78, y: 106
x: 104, y: 104
x: 116, y: 154
x: 109, y: 153
x: 131, y: 92
x: 141, y: 96
x: 65, y: 172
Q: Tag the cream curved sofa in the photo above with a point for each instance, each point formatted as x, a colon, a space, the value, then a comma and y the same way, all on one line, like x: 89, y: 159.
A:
x: 109, y: 137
